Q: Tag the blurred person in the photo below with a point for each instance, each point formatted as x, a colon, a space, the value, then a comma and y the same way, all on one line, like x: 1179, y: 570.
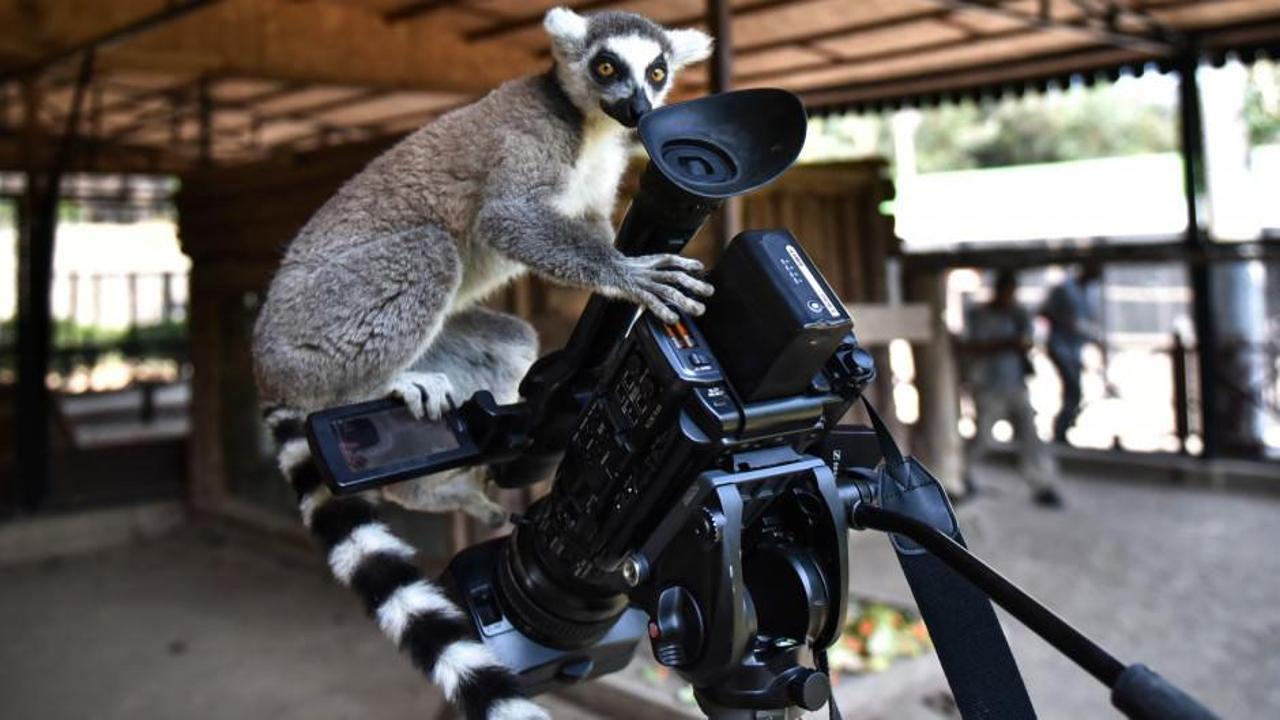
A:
x: 1072, y: 311
x: 998, y: 335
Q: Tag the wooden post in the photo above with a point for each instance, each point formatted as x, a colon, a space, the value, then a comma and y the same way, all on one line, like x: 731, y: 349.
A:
x: 728, y: 222
x: 206, y: 318
x: 720, y: 22
x: 35, y: 261
x: 35, y: 276
x: 936, y: 440
x: 1194, y: 184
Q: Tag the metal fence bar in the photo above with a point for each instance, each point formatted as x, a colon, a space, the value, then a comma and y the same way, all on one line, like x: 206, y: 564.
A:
x: 1181, y: 399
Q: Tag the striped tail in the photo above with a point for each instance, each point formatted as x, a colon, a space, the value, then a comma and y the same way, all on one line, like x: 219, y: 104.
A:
x: 410, y: 609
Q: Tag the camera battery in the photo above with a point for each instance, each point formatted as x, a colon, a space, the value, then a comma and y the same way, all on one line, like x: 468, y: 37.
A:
x: 773, y: 321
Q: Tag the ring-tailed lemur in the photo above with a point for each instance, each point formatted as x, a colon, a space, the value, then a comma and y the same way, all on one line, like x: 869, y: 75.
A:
x: 378, y: 295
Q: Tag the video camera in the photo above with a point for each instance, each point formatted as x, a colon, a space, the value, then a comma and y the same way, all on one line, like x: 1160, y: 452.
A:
x: 703, y: 490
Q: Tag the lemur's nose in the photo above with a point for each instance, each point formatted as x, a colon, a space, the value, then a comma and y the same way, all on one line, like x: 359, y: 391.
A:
x: 639, y: 104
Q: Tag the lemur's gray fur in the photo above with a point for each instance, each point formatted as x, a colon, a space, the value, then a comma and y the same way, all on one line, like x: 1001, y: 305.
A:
x: 377, y: 295
x: 526, y: 178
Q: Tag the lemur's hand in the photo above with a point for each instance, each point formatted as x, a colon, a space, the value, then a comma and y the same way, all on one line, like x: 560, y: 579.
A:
x: 425, y: 393
x: 659, y: 281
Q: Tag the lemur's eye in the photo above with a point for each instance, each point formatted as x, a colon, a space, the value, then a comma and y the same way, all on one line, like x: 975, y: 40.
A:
x: 658, y: 74
x: 604, y: 68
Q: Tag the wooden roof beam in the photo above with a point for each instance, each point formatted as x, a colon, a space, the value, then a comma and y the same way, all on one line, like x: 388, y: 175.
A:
x: 894, y: 54
x: 842, y: 32
x: 111, y: 37
x: 739, y: 13
x: 314, y: 43
x: 1110, y: 13
x: 516, y: 25
x: 524, y: 22
x: 142, y: 120
x: 1149, y: 44
x: 965, y: 79
x: 417, y: 9
x: 304, y: 114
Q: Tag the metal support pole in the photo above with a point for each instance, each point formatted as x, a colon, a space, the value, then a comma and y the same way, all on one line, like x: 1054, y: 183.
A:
x: 30, y: 471
x: 720, y: 22
x: 1181, y: 411
x: 166, y: 300
x: 1195, y: 188
x: 131, y: 282
x: 40, y: 225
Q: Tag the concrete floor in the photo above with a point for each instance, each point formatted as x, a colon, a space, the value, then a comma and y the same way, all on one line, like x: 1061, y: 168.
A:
x: 204, y: 625
x: 1184, y: 580
x: 197, y: 625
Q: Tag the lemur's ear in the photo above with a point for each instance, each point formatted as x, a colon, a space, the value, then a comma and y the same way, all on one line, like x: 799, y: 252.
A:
x: 689, y: 46
x: 568, y: 30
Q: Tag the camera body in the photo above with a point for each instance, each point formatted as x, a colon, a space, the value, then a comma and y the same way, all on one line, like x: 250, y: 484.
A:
x: 671, y: 405
x: 681, y: 498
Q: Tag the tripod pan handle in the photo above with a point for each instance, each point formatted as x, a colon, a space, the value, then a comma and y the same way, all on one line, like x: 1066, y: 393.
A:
x: 1142, y: 694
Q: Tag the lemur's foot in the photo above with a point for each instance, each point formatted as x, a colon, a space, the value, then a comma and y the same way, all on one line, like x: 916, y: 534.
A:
x: 660, y: 281
x: 424, y: 393
x: 447, y: 491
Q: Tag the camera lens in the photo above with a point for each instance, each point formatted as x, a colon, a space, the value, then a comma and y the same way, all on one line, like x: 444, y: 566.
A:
x: 554, y: 612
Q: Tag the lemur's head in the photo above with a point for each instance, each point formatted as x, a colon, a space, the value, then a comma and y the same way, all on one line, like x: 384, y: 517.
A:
x: 619, y: 63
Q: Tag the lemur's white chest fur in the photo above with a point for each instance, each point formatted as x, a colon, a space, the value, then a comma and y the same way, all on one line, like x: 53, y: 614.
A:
x: 589, y: 189
x: 591, y: 186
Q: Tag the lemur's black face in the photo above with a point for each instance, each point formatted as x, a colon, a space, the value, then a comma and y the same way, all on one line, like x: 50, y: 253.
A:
x: 619, y: 62
x: 629, y: 77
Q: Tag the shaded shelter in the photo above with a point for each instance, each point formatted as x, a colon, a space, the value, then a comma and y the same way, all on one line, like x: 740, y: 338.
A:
x: 262, y: 107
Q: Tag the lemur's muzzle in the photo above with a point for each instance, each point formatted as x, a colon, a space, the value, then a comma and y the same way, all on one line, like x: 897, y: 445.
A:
x: 629, y: 110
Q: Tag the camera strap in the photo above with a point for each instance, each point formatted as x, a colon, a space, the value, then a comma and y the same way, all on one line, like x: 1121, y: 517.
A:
x: 971, y: 646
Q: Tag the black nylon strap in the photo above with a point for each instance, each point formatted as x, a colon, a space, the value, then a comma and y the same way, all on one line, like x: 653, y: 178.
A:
x: 971, y: 646
x: 821, y: 664
x: 972, y: 649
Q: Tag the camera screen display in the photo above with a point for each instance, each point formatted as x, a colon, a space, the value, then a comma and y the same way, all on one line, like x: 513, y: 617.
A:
x: 389, y: 437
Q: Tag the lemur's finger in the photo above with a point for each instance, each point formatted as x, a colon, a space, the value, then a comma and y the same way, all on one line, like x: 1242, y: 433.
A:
x: 687, y: 264
x: 424, y: 394
x: 677, y: 298
x: 479, y: 506
x: 434, y: 406
x: 684, y: 280
x: 436, y: 391
x: 410, y: 394
x: 656, y: 306
x: 668, y: 260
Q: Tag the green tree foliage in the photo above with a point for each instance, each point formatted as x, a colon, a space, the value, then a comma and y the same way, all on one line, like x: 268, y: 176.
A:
x: 1076, y: 125
x: 1262, y: 104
